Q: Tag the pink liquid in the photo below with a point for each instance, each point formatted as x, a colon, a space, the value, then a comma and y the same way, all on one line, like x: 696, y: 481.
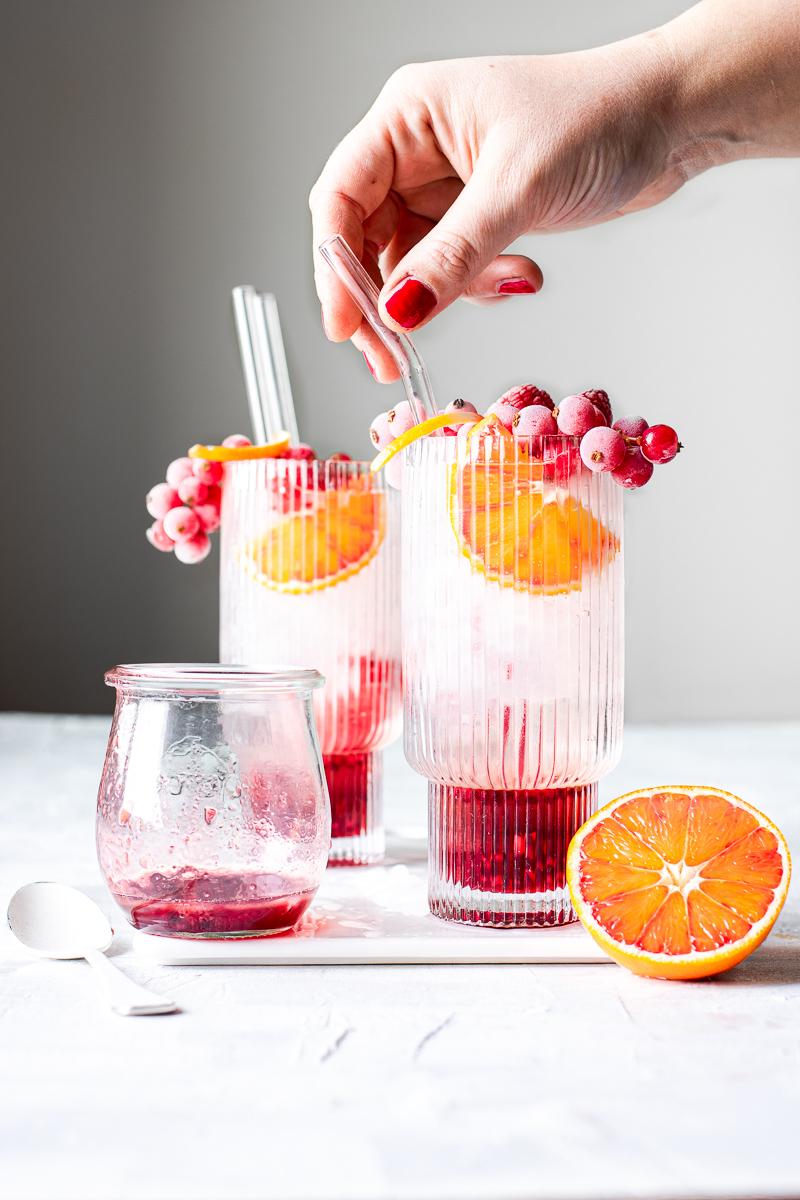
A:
x: 191, y: 903
x: 351, y: 729
x: 348, y: 777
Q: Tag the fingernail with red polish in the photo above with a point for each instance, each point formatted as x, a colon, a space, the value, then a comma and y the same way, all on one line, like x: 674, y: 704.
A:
x: 369, y: 364
x: 410, y: 302
x: 516, y: 287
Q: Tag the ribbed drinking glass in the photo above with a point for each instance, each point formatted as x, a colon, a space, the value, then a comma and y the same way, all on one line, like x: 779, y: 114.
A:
x: 513, y: 664
x: 310, y: 575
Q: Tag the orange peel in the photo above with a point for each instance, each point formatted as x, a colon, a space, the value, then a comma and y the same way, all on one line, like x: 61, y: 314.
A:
x: 440, y: 421
x: 274, y: 449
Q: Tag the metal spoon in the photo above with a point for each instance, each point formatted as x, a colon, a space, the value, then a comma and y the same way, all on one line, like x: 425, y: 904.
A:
x: 57, y: 921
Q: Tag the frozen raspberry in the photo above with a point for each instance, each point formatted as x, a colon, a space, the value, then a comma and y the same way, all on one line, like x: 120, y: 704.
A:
x: 181, y: 524
x: 576, y: 416
x: 156, y: 537
x: 400, y: 419
x: 178, y: 469
x: 209, y: 472
x: 194, y: 550
x: 660, y: 444
x: 160, y: 499
x: 208, y: 516
x: 302, y: 452
x: 525, y: 395
x: 634, y: 471
x: 380, y: 431
x: 236, y: 439
x: 599, y: 399
x: 534, y: 421
x: 603, y: 449
x: 631, y: 427
x: 340, y: 457
x: 192, y: 491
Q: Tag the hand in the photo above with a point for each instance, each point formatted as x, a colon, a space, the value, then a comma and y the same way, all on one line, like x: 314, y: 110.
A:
x: 455, y: 160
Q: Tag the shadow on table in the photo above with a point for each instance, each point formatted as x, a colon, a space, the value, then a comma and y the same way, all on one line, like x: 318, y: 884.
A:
x: 776, y: 964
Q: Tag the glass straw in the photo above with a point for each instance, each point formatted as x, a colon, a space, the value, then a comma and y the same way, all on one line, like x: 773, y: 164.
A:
x: 343, y: 262
x: 247, y: 353
x: 266, y: 375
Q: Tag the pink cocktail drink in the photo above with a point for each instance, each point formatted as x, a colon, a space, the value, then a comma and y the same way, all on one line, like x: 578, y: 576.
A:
x: 310, y: 575
x: 513, y: 644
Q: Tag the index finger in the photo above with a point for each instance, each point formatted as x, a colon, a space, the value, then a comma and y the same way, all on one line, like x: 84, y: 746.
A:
x: 354, y: 182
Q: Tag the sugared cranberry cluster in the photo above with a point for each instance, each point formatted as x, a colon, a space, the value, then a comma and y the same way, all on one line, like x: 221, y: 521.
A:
x: 627, y: 448
x: 186, y: 507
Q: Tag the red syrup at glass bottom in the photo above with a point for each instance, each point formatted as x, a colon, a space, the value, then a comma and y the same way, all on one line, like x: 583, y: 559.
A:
x: 510, y: 842
x: 349, y: 778
x: 191, y: 903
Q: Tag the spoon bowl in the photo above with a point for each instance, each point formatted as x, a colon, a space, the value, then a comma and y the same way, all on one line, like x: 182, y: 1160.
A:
x: 55, y: 920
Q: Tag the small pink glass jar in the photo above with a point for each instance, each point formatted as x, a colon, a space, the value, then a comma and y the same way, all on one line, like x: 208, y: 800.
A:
x: 213, y: 818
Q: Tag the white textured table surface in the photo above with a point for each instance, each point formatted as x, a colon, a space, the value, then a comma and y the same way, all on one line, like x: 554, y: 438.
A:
x: 320, y: 1082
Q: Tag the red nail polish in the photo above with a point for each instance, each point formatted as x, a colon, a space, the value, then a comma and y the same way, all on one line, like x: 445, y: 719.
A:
x: 410, y: 302
x: 516, y: 287
x: 369, y: 364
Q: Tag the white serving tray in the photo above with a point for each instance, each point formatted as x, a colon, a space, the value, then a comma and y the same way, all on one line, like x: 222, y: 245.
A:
x: 378, y: 915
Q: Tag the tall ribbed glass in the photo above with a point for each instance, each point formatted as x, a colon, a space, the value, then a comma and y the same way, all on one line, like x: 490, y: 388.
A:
x: 513, y: 664
x: 310, y: 576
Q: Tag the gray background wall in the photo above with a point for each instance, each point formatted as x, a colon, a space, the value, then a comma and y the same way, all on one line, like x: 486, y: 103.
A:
x: 157, y: 153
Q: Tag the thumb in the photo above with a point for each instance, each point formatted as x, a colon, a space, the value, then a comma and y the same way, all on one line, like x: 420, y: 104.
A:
x: 480, y: 223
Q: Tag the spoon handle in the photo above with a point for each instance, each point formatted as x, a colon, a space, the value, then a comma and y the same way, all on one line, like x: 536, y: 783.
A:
x: 126, y: 997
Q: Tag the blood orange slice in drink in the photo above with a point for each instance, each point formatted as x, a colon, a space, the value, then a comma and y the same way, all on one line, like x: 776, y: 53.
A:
x: 516, y: 526
x: 321, y: 546
x: 678, y: 882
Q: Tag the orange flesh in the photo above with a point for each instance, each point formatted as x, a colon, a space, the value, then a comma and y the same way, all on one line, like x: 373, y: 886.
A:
x: 512, y: 534
x: 310, y: 550
x: 672, y: 873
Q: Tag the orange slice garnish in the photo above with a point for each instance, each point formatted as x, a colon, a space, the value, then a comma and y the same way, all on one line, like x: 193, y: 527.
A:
x: 273, y: 449
x: 516, y: 530
x: 417, y: 431
x: 318, y: 548
x: 678, y: 882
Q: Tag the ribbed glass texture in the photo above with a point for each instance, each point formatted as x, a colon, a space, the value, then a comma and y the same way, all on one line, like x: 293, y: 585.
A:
x: 513, y: 658
x: 310, y: 576
x: 499, y: 858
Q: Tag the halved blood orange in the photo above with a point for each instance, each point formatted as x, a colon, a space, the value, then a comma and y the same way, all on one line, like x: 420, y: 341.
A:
x: 518, y: 529
x: 321, y: 546
x: 274, y: 449
x: 678, y: 882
